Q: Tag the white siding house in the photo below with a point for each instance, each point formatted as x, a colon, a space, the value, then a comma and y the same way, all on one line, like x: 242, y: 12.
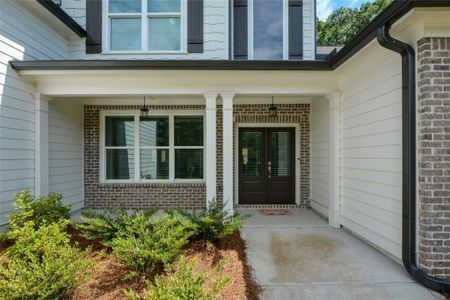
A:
x: 371, y: 143
x: 23, y: 36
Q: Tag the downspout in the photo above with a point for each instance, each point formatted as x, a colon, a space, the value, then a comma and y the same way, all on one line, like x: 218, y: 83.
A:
x: 409, y: 212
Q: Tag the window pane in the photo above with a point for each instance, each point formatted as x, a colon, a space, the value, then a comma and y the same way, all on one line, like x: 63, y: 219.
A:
x: 125, y: 6
x: 154, y: 163
x: 125, y: 34
x: 164, y: 34
x: 119, y: 131
x: 119, y: 164
x: 189, y: 163
x: 158, y: 6
x: 154, y: 131
x: 281, y: 153
x: 251, y: 153
x: 268, y: 29
x: 188, y: 131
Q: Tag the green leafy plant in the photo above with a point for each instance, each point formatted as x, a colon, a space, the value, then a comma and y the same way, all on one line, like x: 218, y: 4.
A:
x: 104, y: 226
x: 182, y: 282
x: 45, y: 209
x: 213, y: 223
x: 143, y: 245
x: 41, y: 264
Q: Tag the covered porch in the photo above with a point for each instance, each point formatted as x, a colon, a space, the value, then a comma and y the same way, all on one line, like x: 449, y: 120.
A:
x: 72, y: 110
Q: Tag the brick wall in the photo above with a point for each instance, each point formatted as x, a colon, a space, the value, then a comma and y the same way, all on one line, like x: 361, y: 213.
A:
x: 188, y: 195
x: 434, y: 155
x: 134, y: 195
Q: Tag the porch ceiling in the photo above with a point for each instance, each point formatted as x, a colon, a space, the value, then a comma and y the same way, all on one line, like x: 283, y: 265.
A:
x: 77, y: 83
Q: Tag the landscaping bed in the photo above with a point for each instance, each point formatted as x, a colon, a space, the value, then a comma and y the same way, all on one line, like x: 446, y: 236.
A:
x: 116, y: 255
x: 107, y: 280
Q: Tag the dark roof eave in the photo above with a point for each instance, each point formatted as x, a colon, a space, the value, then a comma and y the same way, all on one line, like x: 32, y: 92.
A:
x: 169, y: 65
x: 59, y: 13
x: 390, y: 15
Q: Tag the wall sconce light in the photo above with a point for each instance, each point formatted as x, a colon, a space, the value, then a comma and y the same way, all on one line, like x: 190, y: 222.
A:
x: 144, y: 110
x: 273, y: 109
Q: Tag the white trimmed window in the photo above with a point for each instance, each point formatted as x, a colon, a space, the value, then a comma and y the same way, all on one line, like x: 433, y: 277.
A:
x: 163, y: 147
x: 145, y: 25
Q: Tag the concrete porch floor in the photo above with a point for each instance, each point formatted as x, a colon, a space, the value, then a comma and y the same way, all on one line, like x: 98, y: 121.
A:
x: 298, y: 256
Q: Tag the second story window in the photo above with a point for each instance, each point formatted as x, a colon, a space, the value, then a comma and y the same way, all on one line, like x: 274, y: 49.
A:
x: 145, y: 25
x: 267, y: 26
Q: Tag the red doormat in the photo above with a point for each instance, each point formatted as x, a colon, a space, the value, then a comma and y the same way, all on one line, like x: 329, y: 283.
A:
x: 274, y: 211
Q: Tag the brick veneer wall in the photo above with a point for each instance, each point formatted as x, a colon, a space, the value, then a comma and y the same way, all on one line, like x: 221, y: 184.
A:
x: 286, y: 113
x: 187, y: 195
x: 134, y: 195
x: 434, y: 155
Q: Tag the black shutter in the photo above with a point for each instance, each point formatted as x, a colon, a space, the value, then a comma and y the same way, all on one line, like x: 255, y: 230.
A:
x: 94, y: 26
x: 195, y: 26
x: 295, y: 29
x: 240, y: 33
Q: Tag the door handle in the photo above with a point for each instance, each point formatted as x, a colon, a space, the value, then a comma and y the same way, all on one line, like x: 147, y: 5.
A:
x: 269, y: 168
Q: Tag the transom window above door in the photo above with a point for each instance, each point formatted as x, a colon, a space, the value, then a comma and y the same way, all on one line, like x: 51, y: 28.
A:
x: 146, y: 25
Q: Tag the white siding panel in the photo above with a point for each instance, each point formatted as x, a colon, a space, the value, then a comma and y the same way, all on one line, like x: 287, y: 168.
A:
x: 320, y: 156
x: 371, y: 136
x: 22, y: 36
x: 66, y: 151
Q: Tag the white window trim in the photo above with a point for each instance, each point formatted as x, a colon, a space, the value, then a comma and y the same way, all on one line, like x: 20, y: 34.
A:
x: 250, y: 50
x: 137, y: 149
x: 144, y: 15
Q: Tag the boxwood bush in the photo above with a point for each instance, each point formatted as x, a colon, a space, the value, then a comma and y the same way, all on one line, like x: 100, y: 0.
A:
x: 41, y: 264
x: 45, y: 209
x: 183, y: 282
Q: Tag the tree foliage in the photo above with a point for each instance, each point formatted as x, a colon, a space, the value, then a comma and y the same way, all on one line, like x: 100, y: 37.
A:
x: 345, y: 23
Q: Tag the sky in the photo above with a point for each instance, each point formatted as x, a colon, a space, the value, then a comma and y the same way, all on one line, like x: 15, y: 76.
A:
x: 325, y: 7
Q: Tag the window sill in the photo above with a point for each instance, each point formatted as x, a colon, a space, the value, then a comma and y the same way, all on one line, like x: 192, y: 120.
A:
x: 144, y: 52
x: 177, y: 183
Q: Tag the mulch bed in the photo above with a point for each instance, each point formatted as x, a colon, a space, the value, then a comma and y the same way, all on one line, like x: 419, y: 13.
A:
x: 107, y: 279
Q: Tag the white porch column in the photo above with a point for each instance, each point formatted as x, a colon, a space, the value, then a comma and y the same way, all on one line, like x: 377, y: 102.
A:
x: 334, y: 211
x: 41, y: 169
x: 210, y: 100
x: 227, y: 150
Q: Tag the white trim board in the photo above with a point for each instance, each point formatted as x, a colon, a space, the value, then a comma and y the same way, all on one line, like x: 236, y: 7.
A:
x: 296, y: 126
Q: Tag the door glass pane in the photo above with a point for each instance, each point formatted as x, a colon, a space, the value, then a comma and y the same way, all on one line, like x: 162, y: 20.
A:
x: 125, y: 34
x: 154, y: 163
x: 268, y: 29
x: 164, y: 34
x: 154, y: 131
x: 251, y: 153
x: 125, y: 6
x: 119, y: 164
x: 281, y: 153
x: 188, y: 130
x: 119, y: 131
x: 189, y: 163
x: 158, y: 6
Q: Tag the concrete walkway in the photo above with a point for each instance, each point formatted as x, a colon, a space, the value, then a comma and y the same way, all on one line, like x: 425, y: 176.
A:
x: 298, y: 256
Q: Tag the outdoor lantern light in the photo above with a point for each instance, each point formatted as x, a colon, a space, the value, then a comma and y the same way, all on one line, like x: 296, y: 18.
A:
x: 272, y: 110
x: 144, y: 110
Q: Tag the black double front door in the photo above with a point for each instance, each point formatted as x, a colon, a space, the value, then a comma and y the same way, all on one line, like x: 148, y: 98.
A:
x: 266, y: 165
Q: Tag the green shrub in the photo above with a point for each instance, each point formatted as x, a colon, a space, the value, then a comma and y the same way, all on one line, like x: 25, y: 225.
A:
x: 45, y: 209
x: 213, y: 223
x: 143, y: 246
x: 104, y: 226
x: 41, y: 264
x: 182, y: 282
